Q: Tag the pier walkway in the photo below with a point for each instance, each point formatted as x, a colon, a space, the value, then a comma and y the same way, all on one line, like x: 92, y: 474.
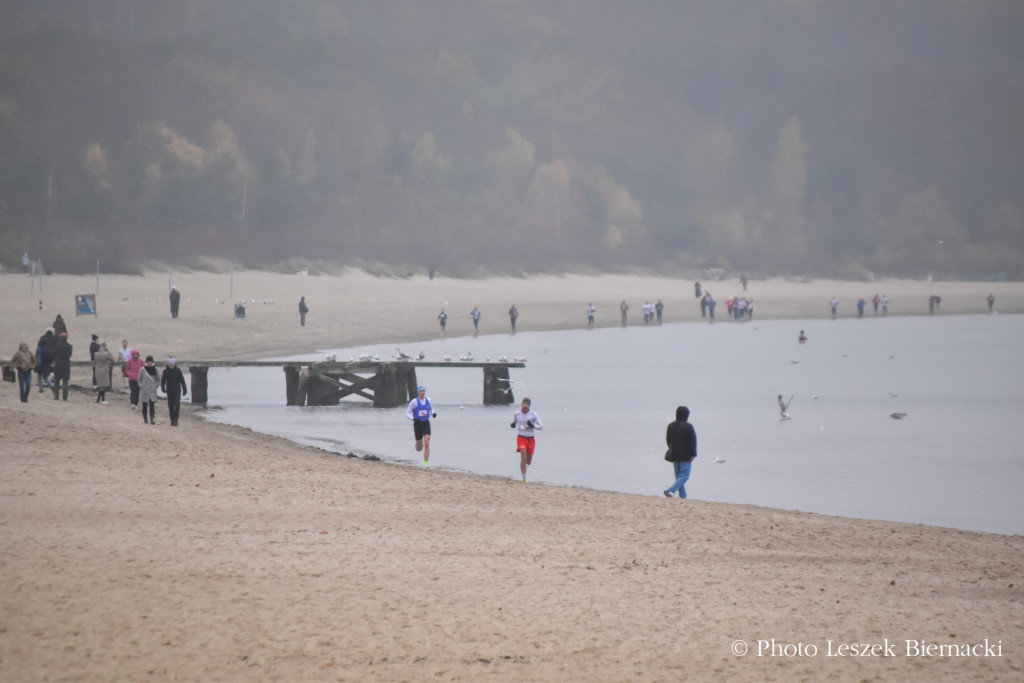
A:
x: 388, y: 383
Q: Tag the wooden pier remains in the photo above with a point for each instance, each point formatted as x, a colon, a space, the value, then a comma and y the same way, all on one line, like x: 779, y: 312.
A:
x: 388, y: 383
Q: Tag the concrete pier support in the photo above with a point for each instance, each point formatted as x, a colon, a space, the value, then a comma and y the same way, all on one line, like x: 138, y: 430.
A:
x: 497, y: 387
x: 200, y: 384
x: 291, y: 382
x: 388, y: 393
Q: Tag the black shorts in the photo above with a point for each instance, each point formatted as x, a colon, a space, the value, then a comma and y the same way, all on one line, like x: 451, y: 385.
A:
x: 420, y: 428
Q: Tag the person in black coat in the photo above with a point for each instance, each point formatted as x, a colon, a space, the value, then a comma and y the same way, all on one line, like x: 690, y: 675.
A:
x: 94, y: 346
x: 61, y: 366
x: 59, y: 326
x: 44, y: 358
x: 172, y: 383
x: 175, y: 297
x: 681, y: 438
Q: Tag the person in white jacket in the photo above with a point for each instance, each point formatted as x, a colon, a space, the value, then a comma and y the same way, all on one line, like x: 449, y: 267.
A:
x: 149, y: 383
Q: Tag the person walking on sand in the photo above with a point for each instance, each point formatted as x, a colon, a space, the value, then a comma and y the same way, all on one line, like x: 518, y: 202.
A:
x: 44, y: 358
x: 624, y: 310
x: 442, y: 318
x: 420, y: 411
x: 124, y: 354
x: 834, y: 304
x: 59, y: 325
x: 175, y: 297
x: 475, y: 314
x: 102, y: 362
x: 24, y: 361
x: 149, y: 383
x: 303, y: 310
x: 525, y: 421
x: 681, y: 438
x: 94, y: 346
x: 61, y: 367
x: 172, y: 383
x: 991, y: 302
x: 513, y: 316
x: 590, y: 315
x: 131, y: 370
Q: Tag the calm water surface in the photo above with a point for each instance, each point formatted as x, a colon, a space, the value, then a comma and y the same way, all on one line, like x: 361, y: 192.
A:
x: 606, y: 396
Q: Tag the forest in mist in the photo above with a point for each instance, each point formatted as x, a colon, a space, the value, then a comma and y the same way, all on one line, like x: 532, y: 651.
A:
x: 810, y: 137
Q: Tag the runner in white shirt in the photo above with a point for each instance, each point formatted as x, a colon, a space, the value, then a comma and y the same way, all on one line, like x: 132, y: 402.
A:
x: 524, y: 421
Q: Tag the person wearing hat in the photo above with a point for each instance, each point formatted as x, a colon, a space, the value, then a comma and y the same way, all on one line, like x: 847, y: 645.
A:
x: 172, y: 383
x: 420, y: 411
x: 103, y: 361
x: 61, y: 366
x: 148, y: 385
x: 524, y: 421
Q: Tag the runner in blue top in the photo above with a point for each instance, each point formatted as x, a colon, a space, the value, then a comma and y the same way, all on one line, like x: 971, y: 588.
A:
x: 420, y: 411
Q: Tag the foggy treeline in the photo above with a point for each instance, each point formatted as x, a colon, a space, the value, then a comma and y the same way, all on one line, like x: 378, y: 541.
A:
x: 803, y: 136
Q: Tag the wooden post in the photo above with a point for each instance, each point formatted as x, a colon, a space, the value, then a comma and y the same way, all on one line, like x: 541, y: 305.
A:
x: 496, y: 391
x: 411, y: 384
x: 321, y: 393
x: 291, y: 383
x: 302, y: 389
x: 199, y: 383
x: 386, y: 394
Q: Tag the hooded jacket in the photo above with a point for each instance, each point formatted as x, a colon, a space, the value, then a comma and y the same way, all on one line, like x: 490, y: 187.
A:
x: 681, y: 438
x: 132, y: 367
x: 44, y: 355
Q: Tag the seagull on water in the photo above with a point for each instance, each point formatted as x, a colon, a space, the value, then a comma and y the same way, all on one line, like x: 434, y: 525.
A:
x: 897, y: 416
x: 784, y: 406
x: 719, y: 460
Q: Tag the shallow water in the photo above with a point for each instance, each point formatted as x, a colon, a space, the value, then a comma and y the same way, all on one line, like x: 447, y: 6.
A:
x: 606, y: 396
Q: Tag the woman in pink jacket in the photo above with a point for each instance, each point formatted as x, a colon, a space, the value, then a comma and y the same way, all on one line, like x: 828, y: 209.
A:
x: 131, y: 371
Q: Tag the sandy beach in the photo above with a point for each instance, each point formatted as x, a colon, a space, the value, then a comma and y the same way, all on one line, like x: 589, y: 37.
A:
x: 211, y: 553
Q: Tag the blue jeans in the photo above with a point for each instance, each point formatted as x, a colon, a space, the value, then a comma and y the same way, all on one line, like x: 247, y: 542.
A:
x: 682, y: 472
x: 24, y: 384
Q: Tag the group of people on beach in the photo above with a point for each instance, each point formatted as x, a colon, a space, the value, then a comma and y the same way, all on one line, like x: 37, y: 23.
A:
x: 51, y: 362
x: 475, y: 315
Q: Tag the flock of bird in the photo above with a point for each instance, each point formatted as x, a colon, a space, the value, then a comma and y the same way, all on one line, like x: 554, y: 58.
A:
x: 402, y: 356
